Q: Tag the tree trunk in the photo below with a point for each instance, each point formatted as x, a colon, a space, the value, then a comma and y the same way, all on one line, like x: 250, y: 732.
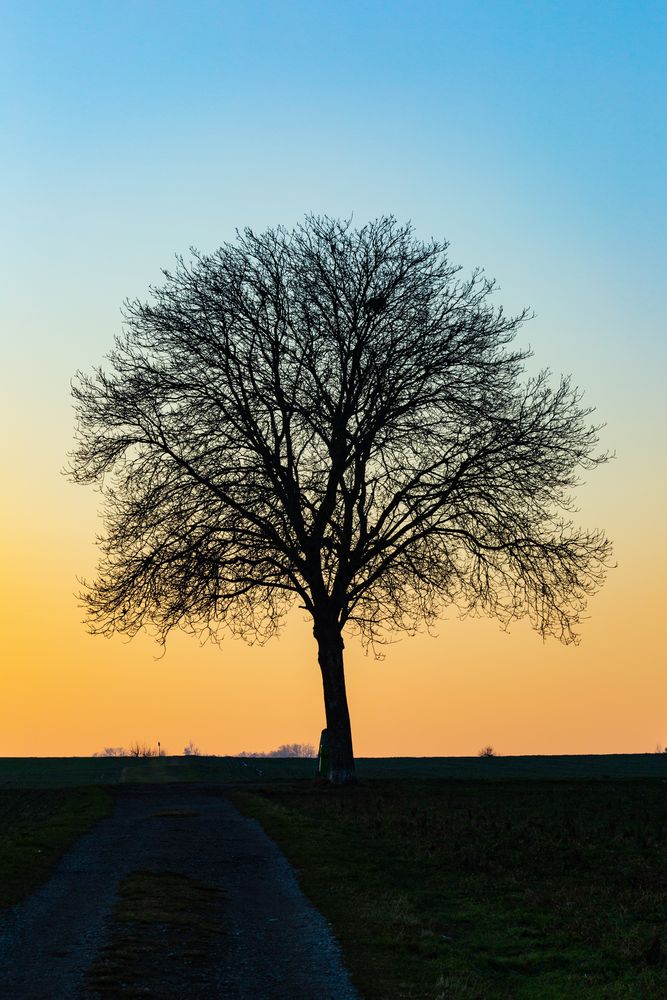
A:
x: 330, y: 657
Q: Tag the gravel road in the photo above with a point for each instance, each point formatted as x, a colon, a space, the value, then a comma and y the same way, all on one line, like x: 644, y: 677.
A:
x: 276, y: 946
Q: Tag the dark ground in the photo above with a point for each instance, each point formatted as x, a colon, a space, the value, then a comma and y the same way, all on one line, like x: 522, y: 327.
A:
x: 239, y: 896
x: 61, y: 772
x: 484, y: 890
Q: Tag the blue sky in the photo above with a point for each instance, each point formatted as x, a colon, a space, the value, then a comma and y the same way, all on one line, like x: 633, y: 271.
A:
x: 524, y: 132
x: 530, y: 134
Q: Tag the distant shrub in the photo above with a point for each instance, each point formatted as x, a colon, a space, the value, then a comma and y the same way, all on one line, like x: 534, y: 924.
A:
x: 112, y: 752
x: 286, y: 750
x: 487, y: 751
x: 143, y: 750
x: 191, y: 750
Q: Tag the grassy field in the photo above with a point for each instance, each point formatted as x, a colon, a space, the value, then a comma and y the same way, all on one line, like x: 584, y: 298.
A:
x: 64, y: 772
x: 525, y: 878
x: 485, y: 890
x: 36, y: 826
x: 68, y: 772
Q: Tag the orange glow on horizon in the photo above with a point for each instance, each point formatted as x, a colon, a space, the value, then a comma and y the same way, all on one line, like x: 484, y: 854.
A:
x: 69, y: 693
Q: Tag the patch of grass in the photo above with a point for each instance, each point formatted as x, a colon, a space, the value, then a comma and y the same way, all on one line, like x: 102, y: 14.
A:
x: 176, y: 814
x: 160, y: 770
x: 165, y: 931
x: 476, y: 890
x: 59, y: 772
x: 36, y: 827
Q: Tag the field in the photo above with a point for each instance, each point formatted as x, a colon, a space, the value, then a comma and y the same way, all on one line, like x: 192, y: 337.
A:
x: 67, y: 772
x: 477, y: 890
x: 36, y: 826
x: 522, y: 878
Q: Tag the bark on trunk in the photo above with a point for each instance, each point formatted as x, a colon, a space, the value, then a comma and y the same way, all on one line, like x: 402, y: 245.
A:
x: 330, y: 657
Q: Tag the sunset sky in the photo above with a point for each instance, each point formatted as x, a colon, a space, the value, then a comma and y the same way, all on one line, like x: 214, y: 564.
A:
x: 531, y: 135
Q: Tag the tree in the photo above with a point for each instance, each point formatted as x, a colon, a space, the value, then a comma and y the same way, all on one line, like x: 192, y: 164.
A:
x: 138, y: 749
x: 293, y: 750
x: 285, y: 750
x: 337, y: 416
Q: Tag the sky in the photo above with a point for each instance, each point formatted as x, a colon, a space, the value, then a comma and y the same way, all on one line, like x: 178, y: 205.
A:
x: 531, y: 135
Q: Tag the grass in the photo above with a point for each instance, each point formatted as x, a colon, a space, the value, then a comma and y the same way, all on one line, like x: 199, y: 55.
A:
x: 64, y: 772
x: 36, y: 827
x: 61, y: 772
x: 479, y: 890
x: 164, y: 934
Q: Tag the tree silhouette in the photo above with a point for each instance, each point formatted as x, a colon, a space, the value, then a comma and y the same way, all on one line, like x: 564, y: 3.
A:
x: 332, y: 415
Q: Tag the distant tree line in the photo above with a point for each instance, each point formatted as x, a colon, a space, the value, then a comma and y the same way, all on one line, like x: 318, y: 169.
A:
x: 138, y: 749
x: 286, y: 750
x: 191, y: 749
x: 135, y: 749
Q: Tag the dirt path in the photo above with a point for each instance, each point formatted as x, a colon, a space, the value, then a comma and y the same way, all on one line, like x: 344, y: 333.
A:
x: 274, y: 946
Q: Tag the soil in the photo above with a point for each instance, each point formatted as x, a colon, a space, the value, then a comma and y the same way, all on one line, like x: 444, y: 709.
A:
x: 175, y: 894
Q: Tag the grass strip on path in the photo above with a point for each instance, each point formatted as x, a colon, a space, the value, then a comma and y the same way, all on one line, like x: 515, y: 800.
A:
x: 474, y: 890
x: 36, y: 827
x: 166, y: 933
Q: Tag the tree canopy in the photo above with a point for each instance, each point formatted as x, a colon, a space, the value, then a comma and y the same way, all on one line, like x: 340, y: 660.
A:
x: 337, y: 416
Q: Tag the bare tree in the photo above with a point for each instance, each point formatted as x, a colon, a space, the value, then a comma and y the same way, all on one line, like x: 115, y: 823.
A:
x: 138, y: 749
x: 334, y: 415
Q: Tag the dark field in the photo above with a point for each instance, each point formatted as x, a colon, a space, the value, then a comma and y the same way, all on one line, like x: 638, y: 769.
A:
x: 540, y: 878
x: 61, y: 772
x: 480, y: 890
x: 36, y: 826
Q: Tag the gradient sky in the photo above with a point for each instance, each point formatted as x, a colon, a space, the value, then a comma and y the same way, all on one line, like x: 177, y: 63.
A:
x: 531, y: 135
